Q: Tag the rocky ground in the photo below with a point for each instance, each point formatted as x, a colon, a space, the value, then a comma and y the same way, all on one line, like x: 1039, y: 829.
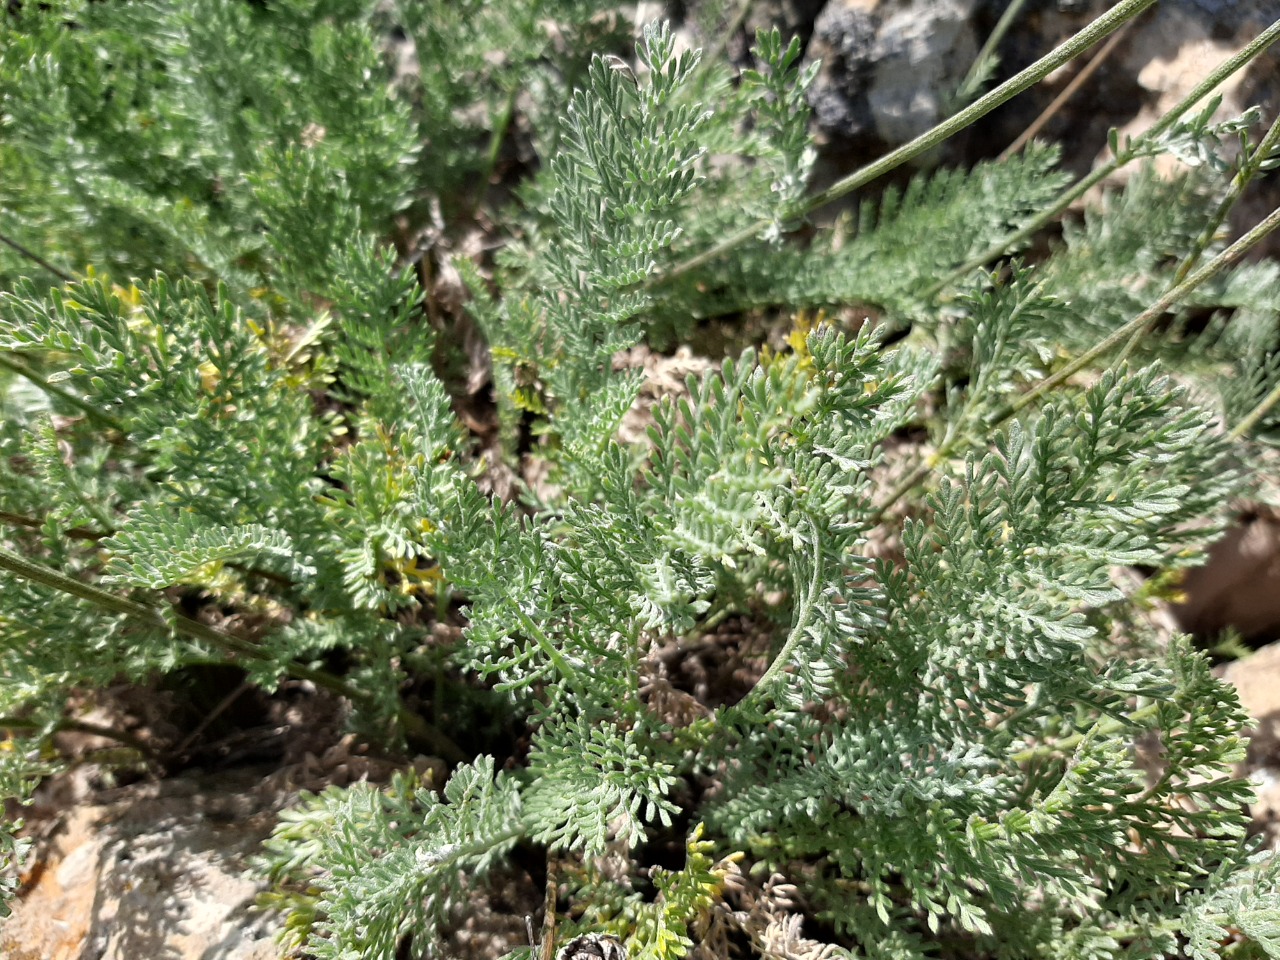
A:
x: 158, y: 868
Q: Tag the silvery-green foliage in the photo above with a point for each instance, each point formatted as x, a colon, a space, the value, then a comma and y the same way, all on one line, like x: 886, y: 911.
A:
x: 1240, y: 901
x: 629, y: 155
x: 427, y: 853
x: 783, y: 122
x: 617, y: 203
x: 889, y: 252
x: 591, y: 783
x: 156, y: 550
x: 164, y: 134
x: 951, y: 730
x: 988, y: 649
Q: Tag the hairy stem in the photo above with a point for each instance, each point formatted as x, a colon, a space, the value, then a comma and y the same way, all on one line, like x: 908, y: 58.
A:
x: 1131, y: 151
x: 969, y: 85
x: 1214, y: 267
x: 547, y: 647
x: 1217, y: 265
x: 36, y: 259
x: 1078, y: 81
x: 35, y: 523
x: 1115, y: 18
x: 714, y: 52
x: 1255, y: 415
x: 68, y: 724
x: 804, y: 613
x: 1104, y: 727
x: 89, y: 533
x: 1249, y: 169
x: 8, y: 362
x: 496, y: 137
x: 230, y: 645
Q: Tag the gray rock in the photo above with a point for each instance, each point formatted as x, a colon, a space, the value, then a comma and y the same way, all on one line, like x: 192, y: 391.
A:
x: 158, y: 874
x: 891, y: 67
x: 888, y: 65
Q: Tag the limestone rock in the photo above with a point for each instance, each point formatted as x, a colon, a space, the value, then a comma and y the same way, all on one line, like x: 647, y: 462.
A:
x: 1257, y: 681
x: 889, y: 64
x: 1169, y: 53
x: 890, y: 67
x: 158, y: 873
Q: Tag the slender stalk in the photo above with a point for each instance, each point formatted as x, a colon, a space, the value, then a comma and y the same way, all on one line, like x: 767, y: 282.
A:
x: 551, y: 893
x: 909, y: 483
x: 1106, y: 24
x: 1105, y: 727
x: 1069, y: 91
x: 22, y: 370
x: 68, y: 724
x: 1109, y: 22
x: 970, y: 82
x: 496, y: 136
x: 1214, y: 267
x: 35, y: 523
x: 1249, y: 169
x: 547, y: 647
x: 1133, y: 150
x: 233, y: 646
x: 713, y: 53
x: 88, y: 533
x: 1217, y: 265
x: 219, y: 709
x: 956, y: 431
x: 36, y: 259
x: 109, y: 733
x: 1256, y: 414
x: 803, y: 614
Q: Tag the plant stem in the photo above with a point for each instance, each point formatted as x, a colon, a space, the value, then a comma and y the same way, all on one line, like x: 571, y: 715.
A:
x: 496, y: 136
x: 803, y: 613
x: 970, y: 82
x: 234, y: 646
x: 35, y: 523
x: 1268, y: 145
x: 81, y: 726
x: 1248, y: 170
x: 1119, y: 15
x: 88, y: 533
x: 36, y: 259
x: 956, y: 431
x: 1104, y: 727
x: 1256, y: 414
x: 547, y: 647
x: 1210, y: 270
x: 221, y: 707
x: 735, y: 24
x: 1215, y: 266
x: 1131, y: 151
x: 22, y: 370
x: 909, y: 483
